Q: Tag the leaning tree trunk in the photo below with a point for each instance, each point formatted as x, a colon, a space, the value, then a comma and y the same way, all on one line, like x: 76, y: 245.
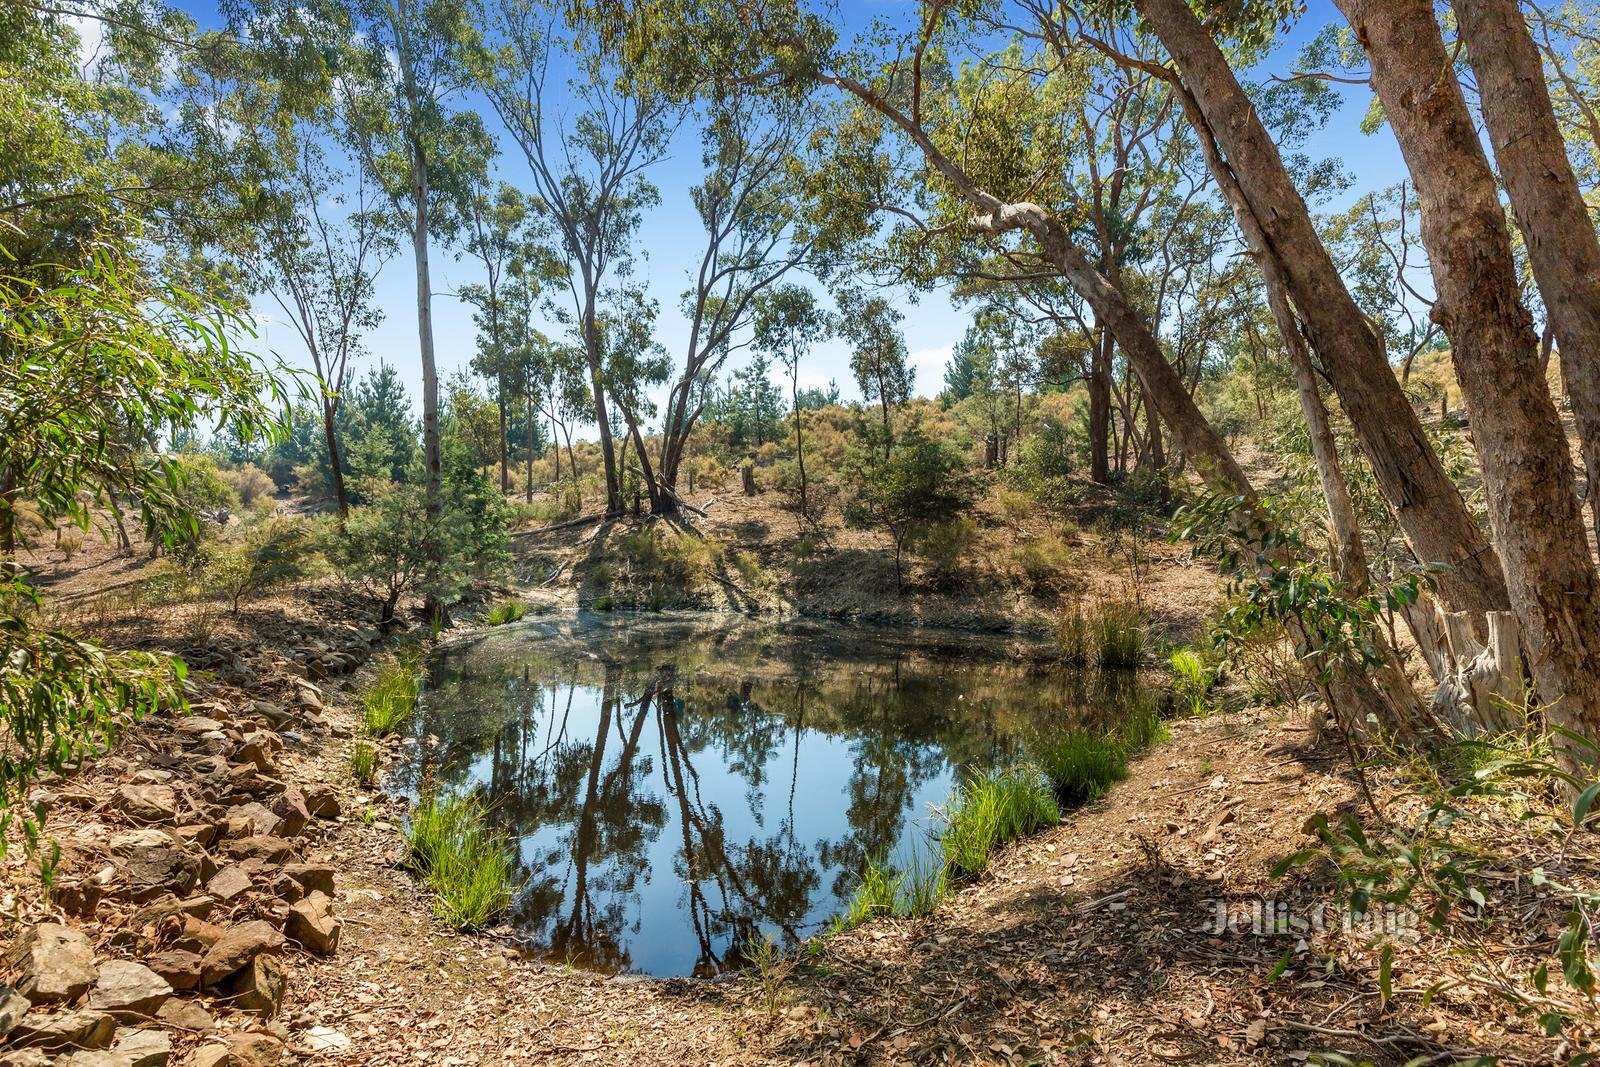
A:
x: 1100, y: 408
x: 1560, y: 235
x: 1427, y: 504
x: 608, y: 453
x: 1520, y: 444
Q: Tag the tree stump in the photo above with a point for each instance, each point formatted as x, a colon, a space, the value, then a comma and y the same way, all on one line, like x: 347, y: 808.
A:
x: 748, y: 472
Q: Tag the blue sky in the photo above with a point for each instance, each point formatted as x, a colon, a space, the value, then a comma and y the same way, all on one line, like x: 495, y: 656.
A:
x: 672, y: 240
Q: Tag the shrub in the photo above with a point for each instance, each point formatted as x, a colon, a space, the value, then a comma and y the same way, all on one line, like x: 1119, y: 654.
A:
x: 70, y: 542
x: 920, y: 480
x: 271, y: 553
x: 249, y: 483
x: 991, y: 810
x: 505, y: 611
x: 1073, y: 636
x: 887, y: 890
x: 466, y: 864
x: 390, y: 700
x: 945, y: 545
x: 1046, y: 562
x: 748, y: 564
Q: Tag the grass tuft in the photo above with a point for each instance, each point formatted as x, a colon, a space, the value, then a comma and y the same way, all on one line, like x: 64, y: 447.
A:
x: 1118, y: 635
x: 1191, y: 681
x: 466, y: 864
x: 363, y: 762
x: 991, y: 810
x: 391, y: 699
x: 1083, y: 764
x: 505, y: 611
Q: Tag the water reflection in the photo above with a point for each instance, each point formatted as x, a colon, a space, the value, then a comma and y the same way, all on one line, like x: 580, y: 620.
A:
x: 675, y: 790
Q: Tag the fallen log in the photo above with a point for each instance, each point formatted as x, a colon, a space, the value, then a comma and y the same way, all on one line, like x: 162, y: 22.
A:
x: 598, y: 516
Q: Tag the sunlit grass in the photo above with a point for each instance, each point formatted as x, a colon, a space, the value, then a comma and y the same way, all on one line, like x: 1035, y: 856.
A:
x: 363, y: 762
x: 466, y: 864
x: 390, y: 700
x: 504, y: 612
x: 988, y: 811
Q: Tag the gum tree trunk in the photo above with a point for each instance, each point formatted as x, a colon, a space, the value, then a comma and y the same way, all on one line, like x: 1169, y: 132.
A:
x: 1520, y: 444
x: 1100, y: 408
x: 1560, y: 236
x: 1428, y: 506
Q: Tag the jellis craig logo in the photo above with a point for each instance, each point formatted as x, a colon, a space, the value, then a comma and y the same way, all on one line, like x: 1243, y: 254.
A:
x: 1266, y: 917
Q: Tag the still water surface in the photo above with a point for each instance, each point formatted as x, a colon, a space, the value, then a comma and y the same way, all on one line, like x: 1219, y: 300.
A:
x: 675, y: 787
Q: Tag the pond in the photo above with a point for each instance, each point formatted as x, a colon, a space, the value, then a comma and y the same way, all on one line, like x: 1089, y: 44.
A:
x: 675, y: 788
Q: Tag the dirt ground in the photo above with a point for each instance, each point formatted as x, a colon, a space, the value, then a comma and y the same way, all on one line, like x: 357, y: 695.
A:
x: 1096, y: 942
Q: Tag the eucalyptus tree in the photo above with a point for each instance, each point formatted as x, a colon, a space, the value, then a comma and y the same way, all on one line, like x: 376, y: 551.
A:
x: 395, y: 94
x: 1429, y: 506
x: 788, y: 323
x: 754, y: 238
x: 634, y: 364
x: 495, y: 237
x: 1533, y: 504
x: 1558, y: 228
x: 878, y: 357
x: 588, y: 172
x: 298, y: 218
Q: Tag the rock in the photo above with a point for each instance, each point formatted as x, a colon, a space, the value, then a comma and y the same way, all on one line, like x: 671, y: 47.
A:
x: 186, y: 1015
x: 259, y: 846
x: 229, y: 884
x: 56, y: 963
x: 273, y: 713
x: 241, y: 1050
x: 154, y: 871
x: 313, y: 877
x: 257, y: 752
x: 311, y: 922
x: 237, y: 947
x: 129, y: 991
x: 154, y: 864
x: 201, y: 834
x: 145, y: 1048
x: 13, y: 1006
x: 25, y: 1057
x: 149, y: 803
x: 151, y: 776
x: 131, y: 841
x: 200, y: 905
x: 81, y: 1029
x: 78, y: 897
x: 179, y: 969
x: 325, y: 1039
x: 198, y: 935
x: 93, y: 1058
x: 258, y: 986
x: 290, y: 808
x: 198, y: 724
x: 247, y: 820
x: 286, y: 889
x: 322, y: 801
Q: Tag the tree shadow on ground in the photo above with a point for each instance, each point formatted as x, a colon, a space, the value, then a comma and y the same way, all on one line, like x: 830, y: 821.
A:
x: 1138, y: 966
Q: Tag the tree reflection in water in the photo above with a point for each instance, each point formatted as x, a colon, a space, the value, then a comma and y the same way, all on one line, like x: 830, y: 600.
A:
x: 675, y: 791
